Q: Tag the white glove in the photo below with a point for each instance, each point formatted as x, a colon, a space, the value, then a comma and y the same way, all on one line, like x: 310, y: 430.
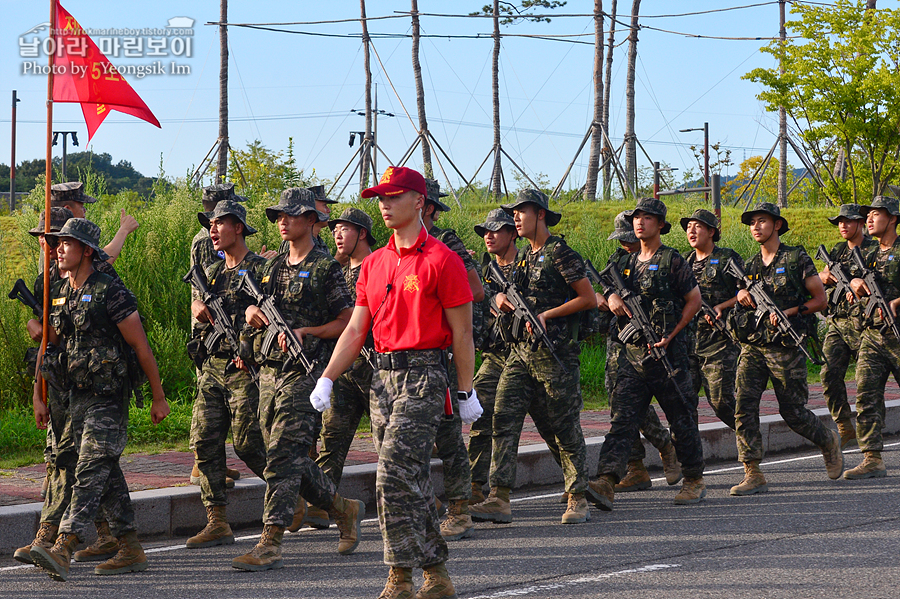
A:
x: 470, y: 408
x: 320, y: 398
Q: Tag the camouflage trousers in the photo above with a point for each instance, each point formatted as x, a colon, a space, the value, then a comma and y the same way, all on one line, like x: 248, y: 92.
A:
x: 786, y: 367
x: 480, y: 435
x: 841, y: 345
x: 290, y: 426
x: 227, y: 399
x: 406, y: 409
x: 340, y: 422
x: 636, y: 385
x: 99, y: 427
x: 534, y: 376
x: 879, y: 357
x: 451, y: 448
x: 651, y: 426
x: 713, y: 366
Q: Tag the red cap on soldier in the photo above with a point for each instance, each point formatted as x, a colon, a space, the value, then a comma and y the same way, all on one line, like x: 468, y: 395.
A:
x: 397, y: 180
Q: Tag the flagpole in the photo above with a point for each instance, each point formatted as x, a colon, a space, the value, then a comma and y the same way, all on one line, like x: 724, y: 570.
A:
x: 47, y: 183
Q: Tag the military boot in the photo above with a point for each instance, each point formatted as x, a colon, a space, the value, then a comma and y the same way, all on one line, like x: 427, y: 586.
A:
x: 493, y: 509
x: 316, y: 517
x: 693, y: 490
x: 834, y: 458
x: 477, y: 493
x: 437, y: 584
x: 232, y: 473
x: 753, y: 482
x: 45, y: 537
x: 577, y: 510
x: 266, y: 555
x: 601, y: 492
x: 564, y: 498
x: 130, y: 557
x: 636, y: 478
x: 348, y: 514
x: 55, y: 561
x: 847, y: 432
x: 458, y: 524
x: 871, y: 467
x: 299, y: 515
x: 398, y: 585
x: 216, y: 532
x: 103, y: 548
x: 671, y: 467
x: 440, y: 507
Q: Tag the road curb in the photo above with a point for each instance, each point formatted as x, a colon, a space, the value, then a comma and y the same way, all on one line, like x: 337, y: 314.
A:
x: 178, y: 512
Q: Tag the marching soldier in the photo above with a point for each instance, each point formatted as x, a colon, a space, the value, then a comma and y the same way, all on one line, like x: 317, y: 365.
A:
x: 312, y: 295
x: 714, y: 359
x: 227, y: 397
x: 790, y: 277
x: 553, y: 279
x: 95, y: 317
x: 879, y: 350
x: 845, y: 319
x: 671, y: 298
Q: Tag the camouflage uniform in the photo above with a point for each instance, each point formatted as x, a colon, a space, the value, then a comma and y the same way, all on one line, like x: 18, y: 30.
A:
x: 227, y: 398
x: 451, y: 447
x: 351, y: 401
x: 714, y: 355
x: 879, y: 352
x: 662, y: 281
x: 544, y: 278
x: 494, y: 353
x: 766, y: 355
x: 310, y: 293
x: 845, y: 324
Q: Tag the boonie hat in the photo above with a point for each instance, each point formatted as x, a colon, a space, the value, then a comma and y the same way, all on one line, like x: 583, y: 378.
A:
x: 624, y: 230
x: 294, y: 202
x: 652, y: 206
x: 884, y: 202
x: 83, y: 230
x: 848, y: 211
x: 435, y: 194
x: 396, y: 180
x: 357, y: 217
x: 73, y: 191
x: 319, y: 190
x: 496, y: 220
x: 707, y: 218
x: 224, y: 208
x: 221, y: 192
x: 767, y: 208
x: 537, y: 197
x: 58, y: 217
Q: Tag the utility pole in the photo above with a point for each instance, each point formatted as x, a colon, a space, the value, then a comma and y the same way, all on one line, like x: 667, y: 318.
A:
x: 782, y: 124
x: 706, y: 159
x: 368, y: 142
x: 495, y: 94
x: 610, y: 46
x: 65, y: 136
x: 420, y: 92
x: 222, y: 163
x: 375, y: 137
x: 12, y: 159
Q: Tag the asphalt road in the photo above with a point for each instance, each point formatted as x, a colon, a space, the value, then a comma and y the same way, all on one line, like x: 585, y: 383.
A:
x: 807, y: 537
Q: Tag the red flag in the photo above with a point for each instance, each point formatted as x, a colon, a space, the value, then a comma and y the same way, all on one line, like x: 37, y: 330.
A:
x: 83, y: 74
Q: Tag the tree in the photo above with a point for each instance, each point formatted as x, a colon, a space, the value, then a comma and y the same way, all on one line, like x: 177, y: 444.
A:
x: 768, y: 187
x: 222, y: 160
x: 610, y: 46
x: 841, y: 87
x: 266, y: 171
x: 590, y: 186
x: 420, y: 91
x: 630, y: 139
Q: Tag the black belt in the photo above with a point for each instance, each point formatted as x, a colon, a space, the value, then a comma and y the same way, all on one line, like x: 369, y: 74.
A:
x: 401, y: 360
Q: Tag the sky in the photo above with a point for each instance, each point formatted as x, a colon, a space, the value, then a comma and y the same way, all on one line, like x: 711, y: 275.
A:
x: 306, y: 87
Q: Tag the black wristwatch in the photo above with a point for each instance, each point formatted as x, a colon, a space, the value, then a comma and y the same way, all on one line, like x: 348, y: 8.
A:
x: 803, y: 308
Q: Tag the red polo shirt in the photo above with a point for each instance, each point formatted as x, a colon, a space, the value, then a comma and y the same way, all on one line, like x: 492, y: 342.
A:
x: 407, y: 290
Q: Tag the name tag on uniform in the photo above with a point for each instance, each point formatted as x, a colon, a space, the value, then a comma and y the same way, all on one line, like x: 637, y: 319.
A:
x: 60, y: 301
x: 653, y: 267
x: 541, y: 259
x: 779, y: 271
x: 303, y: 274
x: 221, y: 254
x: 714, y: 261
x: 242, y: 272
x: 891, y: 257
x: 85, y: 298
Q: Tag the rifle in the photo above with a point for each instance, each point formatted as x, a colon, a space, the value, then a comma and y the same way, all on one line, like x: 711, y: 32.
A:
x: 277, y: 324
x: 766, y: 306
x: 877, y: 299
x: 593, y: 274
x: 837, y: 271
x: 21, y: 292
x: 524, y: 313
x: 717, y: 323
x: 221, y: 323
x: 639, y: 323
